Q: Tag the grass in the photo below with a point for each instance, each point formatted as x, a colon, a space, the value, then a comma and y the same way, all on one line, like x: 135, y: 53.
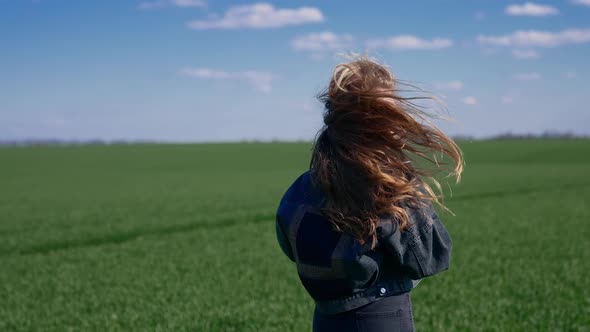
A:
x: 181, y: 238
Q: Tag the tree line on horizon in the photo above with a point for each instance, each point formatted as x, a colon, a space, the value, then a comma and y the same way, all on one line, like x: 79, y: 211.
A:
x: 56, y: 141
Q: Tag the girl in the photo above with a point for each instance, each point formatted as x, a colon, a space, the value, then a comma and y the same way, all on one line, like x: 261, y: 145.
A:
x: 360, y: 224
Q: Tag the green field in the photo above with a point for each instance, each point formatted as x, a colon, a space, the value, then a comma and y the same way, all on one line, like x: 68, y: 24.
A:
x: 181, y: 238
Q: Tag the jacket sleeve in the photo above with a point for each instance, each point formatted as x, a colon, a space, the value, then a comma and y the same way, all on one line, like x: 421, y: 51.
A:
x: 423, y: 249
x: 283, y: 240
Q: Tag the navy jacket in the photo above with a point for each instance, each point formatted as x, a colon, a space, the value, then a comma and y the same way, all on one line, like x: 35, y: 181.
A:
x: 338, y: 272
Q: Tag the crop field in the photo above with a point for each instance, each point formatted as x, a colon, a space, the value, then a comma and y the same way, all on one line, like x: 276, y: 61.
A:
x: 182, y: 238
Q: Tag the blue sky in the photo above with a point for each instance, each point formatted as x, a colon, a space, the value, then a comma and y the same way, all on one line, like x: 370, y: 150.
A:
x: 197, y: 70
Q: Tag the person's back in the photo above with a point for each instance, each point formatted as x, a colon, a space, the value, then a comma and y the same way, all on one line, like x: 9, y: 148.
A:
x: 359, y: 224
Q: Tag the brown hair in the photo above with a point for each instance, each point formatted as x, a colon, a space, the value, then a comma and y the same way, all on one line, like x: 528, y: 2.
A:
x: 376, y: 152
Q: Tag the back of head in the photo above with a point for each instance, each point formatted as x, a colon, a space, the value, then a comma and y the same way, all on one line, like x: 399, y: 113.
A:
x: 365, y: 157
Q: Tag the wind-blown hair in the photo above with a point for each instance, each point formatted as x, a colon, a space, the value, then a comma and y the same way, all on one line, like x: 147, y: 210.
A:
x: 376, y: 152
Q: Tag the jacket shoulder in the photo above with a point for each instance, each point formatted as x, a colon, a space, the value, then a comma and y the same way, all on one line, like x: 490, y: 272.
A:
x: 301, y: 193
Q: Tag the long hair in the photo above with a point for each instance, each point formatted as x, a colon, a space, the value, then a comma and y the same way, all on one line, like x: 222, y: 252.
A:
x: 376, y: 152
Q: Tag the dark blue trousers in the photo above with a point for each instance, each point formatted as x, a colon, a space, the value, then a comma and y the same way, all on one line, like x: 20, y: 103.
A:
x: 392, y: 313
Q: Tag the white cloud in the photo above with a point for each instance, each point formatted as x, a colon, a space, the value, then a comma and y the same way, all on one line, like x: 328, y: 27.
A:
x: 570, y: 74
x: 176, y: 3
x: 409, y: 42
x: 535, y: 38
x: 532, y: 76
x: 55, y: 120
x: 261, y: 81
x: 310, y: 108
x: 479, y: 15
x: 450, y: 85
x: 525, y: 54
x: 531, y: 9
x: 581, y: 2
x: 469, y: 100
x: 318, y: 56
x: 259, y: 16
x: 506, y: 100
x: 323, y: 41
